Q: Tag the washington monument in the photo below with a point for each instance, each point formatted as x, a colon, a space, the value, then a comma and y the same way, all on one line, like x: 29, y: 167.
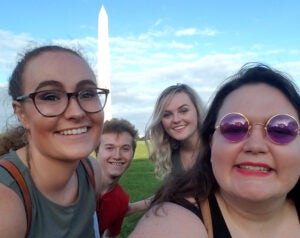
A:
x: 103, y: 67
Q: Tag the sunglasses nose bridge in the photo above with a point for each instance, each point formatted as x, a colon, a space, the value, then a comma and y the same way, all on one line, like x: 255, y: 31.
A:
x: 257, y: 124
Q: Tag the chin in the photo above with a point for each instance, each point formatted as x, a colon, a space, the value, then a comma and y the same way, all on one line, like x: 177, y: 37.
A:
x: 255, y: 196
x: 78, y: 154
x: 115, y: 175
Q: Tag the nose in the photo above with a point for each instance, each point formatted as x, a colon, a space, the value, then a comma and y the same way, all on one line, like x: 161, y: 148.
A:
x: 256, y: 140
x: 176, y: 118
x: 117, y: 154
x: 73, y: 109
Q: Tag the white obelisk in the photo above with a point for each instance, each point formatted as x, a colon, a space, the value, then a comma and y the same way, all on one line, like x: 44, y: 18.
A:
x: 104, y: 59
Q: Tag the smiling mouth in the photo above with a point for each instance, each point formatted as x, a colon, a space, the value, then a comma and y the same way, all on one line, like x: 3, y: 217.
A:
x: 74, y: 131
x: 254, y: 168
x: 116, y: 163
x: 178, y: 128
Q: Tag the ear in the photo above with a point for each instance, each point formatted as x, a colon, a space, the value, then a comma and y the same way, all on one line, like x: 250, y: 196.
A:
x: 19, y: 111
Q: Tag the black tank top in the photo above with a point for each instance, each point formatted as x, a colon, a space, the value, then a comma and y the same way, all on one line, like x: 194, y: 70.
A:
x: 220, y: 230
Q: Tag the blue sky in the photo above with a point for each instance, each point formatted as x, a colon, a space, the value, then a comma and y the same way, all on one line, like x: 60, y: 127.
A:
x: 154, y: 44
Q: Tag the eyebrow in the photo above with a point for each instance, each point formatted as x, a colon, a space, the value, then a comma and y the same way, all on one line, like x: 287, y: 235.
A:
x: 111, y: 144
x: 59, y: 84
x: 86, y: 82
x: 184, y: 105
x: 48, y: 83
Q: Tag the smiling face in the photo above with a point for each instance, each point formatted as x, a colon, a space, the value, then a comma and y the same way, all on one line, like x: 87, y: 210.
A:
x: 180, y: 118
x: 255, y: 168
x: 72, y: 135
x: 115, y: 154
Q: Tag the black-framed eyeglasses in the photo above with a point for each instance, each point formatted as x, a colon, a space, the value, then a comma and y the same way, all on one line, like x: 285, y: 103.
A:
x: 52, y: 103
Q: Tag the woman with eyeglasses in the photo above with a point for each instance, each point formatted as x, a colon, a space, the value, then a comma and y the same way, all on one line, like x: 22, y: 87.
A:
x: 246, y: 182
x: 173, y: 132
x: 55, y: 97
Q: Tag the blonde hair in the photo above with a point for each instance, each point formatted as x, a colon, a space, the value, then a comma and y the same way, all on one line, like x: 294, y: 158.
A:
x: 159, y: 144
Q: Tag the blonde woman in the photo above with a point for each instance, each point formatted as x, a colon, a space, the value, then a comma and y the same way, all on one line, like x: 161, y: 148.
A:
x: 172, y: 135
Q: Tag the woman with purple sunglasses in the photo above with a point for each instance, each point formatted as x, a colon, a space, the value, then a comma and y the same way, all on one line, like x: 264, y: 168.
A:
x: 246, y: 183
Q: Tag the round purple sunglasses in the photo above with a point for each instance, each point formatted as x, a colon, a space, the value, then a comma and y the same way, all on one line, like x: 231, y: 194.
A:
x: 280, y: 129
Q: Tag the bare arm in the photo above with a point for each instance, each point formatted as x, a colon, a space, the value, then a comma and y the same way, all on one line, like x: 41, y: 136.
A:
x: 138, y: 206
x: 171, y: 221
x: 107, y: 234
x: 13, y: 217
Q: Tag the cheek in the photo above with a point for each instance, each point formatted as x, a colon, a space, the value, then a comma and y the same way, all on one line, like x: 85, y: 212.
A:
x: 104, y: 154
x: 128, y: 156
x: 288, y: 160
x: 215, y: 159
x: 194, y: 116
x: 30, y: 118
x: 103, y: 160
x: 164, y: 123
x: 40, y: 125
x: 98, y: 119
x: 215, y: 155
x: 221, y: 156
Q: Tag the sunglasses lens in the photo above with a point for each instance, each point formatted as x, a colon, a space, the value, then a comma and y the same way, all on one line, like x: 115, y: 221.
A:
x: 282, y: 129
x: 234, y: 127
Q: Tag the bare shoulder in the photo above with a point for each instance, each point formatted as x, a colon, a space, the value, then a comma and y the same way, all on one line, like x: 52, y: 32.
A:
x: 169, y: 220
x: 13, y: 217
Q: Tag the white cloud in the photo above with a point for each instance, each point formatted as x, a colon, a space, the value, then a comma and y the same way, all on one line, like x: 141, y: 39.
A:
x: 10, y: 45
x: 142, y: 66
x: 179, y: 45
x: 186, y: 32
x: 194, y: 31
x: 208, y: 32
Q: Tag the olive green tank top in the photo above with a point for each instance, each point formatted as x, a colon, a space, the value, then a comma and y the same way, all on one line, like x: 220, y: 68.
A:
x: 50, y: 219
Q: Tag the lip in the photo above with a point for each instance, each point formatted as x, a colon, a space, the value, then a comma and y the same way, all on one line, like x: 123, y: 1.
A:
x: 179, y: 128
x: 254, y: 169
x: 74, y: 131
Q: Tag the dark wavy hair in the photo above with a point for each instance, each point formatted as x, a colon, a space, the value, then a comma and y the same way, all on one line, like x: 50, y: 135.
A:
x: 200, y: 181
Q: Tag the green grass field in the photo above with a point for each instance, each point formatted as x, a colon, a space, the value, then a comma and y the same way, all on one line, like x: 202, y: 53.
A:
x: 139, y: 182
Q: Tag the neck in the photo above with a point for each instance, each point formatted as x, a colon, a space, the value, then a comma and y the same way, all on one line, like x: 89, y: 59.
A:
x: 108, y: 183
x: 189, y: 152
x: 191, y: 144
x: 55, y: 179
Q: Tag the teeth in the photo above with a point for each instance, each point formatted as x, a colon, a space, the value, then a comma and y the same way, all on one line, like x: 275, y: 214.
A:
x: 178, y: 127
x: 117, y: 163
x: 254, y: 168
x: 74, y: 131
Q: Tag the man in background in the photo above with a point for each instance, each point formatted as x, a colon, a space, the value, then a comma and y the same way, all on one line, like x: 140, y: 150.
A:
x: 115, y: 153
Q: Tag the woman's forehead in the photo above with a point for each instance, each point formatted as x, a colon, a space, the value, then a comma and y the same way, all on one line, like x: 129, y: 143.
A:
x: 257, y: 99
x: 60, y: 66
